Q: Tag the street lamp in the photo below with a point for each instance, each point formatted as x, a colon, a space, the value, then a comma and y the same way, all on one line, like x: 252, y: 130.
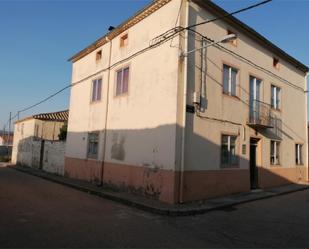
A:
x: 224, y: 39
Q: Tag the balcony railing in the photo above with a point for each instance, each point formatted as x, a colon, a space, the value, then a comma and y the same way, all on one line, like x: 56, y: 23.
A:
x: 260, y: 115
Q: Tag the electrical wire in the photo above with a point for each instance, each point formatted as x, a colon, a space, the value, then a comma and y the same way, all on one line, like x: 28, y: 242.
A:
x: 229, y: 14
x: 224, y: 16
x: 265, y: 70
x: 137, y: 53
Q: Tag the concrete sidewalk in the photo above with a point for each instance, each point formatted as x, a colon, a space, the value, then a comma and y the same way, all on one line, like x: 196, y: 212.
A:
x: 156, y: 207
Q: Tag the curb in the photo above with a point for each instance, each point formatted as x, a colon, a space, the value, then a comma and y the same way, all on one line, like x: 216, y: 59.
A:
x: 173, y: 211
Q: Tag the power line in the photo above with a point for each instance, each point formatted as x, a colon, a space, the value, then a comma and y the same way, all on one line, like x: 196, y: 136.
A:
x: 218, y: 18
x: 229, y: 14
x: 151, y: 46
x: 265, y: 70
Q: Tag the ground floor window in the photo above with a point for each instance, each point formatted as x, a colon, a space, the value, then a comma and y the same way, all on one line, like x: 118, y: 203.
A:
x: 274, y: 152
x: 93, y: 145
x: 298, y: 154
x: 228, y: 151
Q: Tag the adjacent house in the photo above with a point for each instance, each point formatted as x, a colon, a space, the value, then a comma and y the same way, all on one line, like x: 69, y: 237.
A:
x: 179, y: 108
x: 36, y: 141
x: 6, y: 141
x: 6, y: 138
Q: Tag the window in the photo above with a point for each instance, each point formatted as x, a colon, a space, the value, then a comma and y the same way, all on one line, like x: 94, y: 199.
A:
x: 298, y: 154
x: 276, y: 63
x: 228, y: 151
x: 124, y: 40
x: 275, y: 97
x: 93, y: 144
x: 122, y: 84
x: 96, y: 90
x: 98, y: 55
x: 229, y: 80
x: 233, y: 42
x: 274, y: 152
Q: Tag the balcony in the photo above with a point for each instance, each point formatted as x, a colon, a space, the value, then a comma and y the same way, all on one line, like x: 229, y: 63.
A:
x: 260, y: 115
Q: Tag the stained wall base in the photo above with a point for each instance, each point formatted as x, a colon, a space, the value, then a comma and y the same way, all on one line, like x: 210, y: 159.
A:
x: 163, y: 185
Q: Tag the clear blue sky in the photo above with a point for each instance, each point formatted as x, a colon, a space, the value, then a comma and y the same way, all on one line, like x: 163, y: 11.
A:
x: 38, y: 36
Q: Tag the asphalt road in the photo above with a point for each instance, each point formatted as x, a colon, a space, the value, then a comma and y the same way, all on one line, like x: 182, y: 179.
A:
x: 37, y: 213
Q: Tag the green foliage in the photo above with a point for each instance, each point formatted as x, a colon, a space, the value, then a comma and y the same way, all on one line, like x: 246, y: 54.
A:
x: 63, y: 132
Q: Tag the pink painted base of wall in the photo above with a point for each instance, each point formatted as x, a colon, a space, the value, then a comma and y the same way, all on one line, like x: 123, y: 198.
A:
x: 277, y: 176
x: 164, y: 184
x: 201, y: 185
x: 155, y: 183
x: 82, y: 169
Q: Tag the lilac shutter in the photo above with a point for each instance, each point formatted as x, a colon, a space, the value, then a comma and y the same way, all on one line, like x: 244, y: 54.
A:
x: 118, y: 83
x: 99, y: 89
x: 125, y: 83
x: 94, y: 87
x: 226, y: 76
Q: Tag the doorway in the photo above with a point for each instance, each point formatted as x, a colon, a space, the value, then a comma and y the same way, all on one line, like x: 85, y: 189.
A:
x: 253, y: 160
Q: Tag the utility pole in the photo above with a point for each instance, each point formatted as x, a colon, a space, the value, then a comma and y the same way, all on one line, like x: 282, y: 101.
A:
x: 9, y: 134
x: 3, y: 134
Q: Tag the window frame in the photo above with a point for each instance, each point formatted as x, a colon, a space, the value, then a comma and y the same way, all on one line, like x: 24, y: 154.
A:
x: 92, y: 155
x: 235, y: 41
x: 230, y: 163
x: 98, y: 55
x: 276, y: 155
x: 299, y: 153
x: 124, y: 40
x: 122, y: 69
x: 276, y: 63
x: 273, y: 98
x: 237, y: 83
x: 96, y: 99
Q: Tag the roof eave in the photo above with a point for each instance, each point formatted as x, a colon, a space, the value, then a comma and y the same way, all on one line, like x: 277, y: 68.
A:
x: 254, y: 34
x: 138, y: 16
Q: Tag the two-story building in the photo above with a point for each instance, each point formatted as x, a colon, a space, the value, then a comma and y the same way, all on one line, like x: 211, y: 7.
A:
x: 164, y: 106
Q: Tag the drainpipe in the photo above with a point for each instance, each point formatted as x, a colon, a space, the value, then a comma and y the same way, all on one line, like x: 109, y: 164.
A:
x: 185, y: 69
x: 306, y: 113
x: 106, y: 113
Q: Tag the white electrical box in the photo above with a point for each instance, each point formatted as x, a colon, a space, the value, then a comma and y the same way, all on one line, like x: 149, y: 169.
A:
x: 196, y: 98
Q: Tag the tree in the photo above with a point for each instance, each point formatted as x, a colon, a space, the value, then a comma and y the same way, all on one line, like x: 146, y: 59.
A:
x: 63, y: 132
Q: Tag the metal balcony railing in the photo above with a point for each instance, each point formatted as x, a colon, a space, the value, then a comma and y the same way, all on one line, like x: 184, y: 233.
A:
x: 260, y: 115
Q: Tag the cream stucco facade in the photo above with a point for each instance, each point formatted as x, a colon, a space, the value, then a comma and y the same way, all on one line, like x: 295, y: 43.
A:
x: 153, y: 139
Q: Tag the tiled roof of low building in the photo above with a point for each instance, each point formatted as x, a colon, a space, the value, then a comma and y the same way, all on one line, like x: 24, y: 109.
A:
x: 53, y: 116
x: 61, y: 116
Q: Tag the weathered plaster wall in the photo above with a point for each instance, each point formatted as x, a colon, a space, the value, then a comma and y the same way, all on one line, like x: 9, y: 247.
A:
x: 22, y: 130
x: 203, y: 135
x: 53, y: 159
x: 149, y: 104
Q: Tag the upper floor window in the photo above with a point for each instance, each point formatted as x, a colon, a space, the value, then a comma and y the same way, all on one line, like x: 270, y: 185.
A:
x: 234, y: 41
x: 98, y: 55
x: 275, y: 97
x: 274, y: 152
x: 229, y: 80
x: 93, y: 145
x: 298, y: 154
x: 228, y: 151
x: 96, y: 90
x: 124, y: 40
x: 276, y: 63
x: 122, y: 83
